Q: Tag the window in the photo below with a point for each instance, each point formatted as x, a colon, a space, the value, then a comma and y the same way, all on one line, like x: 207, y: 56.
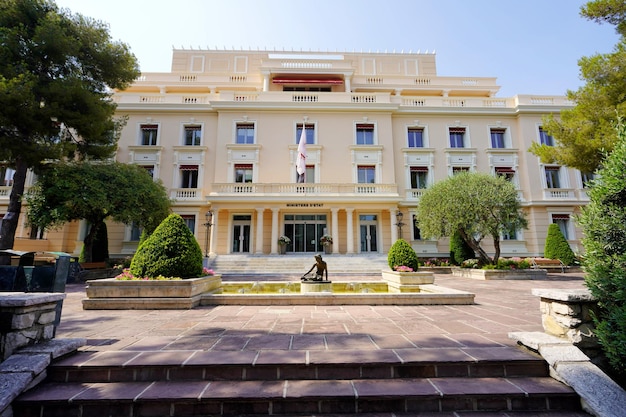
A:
x: 190, y: 221
x: 309, y: 175
x: 193, y: 134
x: 149, y: 135
x: 189, y: 176
x: 544, y: 138
x: 6, y: 175
x: 586, y: 178
x: 508, y: 173
x: 458, y: 170
x: 415, y: 137
x: 135, y: 232
x: 497, y: 138
x: 245, y: 133
x: 457, y: 137
x: 509, y: 233
x: 150, y: 169
x: 419, y: 177
x: 563, y: 221
x: 310, y: 133
x: 366, y: 174
x: 417, y: 233
x: 364, y: 134
x: 552, y: 177
x: 243, y: 173
x: 36, y: 233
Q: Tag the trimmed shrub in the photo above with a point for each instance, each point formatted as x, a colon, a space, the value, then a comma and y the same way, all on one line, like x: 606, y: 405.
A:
x: 170, y: 251
x: 402, y: 254
x: 603, y: 222
x: 557, y: 246
x: 459, y: 250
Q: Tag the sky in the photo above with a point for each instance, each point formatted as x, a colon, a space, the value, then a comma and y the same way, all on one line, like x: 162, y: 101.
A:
x: 530, y: 46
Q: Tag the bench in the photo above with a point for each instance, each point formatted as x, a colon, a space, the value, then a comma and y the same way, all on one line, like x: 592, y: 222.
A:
x: 545, y: 263
x: 93, y: 265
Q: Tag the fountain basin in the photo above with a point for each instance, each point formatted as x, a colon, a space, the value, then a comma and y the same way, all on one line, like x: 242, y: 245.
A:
x: 111, y: 294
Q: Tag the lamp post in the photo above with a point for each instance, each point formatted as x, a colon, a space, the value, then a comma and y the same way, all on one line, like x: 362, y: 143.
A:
x: 399, y: 217
x: 209, y: 216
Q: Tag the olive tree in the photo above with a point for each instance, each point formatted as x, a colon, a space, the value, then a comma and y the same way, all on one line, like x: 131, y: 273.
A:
x: 474, y: 205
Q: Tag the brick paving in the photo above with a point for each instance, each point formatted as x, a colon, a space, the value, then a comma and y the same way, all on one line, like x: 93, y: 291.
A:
x: 501, y: 307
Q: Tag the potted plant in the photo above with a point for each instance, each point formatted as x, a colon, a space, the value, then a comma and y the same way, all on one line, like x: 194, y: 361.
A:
x: 283, y: 241
x: 326, y: 241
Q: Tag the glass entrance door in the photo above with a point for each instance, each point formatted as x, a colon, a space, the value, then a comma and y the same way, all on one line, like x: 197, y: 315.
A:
x: 241, y: 234
x: 368, y: 225
x: 305, y: 231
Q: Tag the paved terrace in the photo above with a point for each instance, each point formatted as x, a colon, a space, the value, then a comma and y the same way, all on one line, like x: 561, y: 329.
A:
x: 501, y: 307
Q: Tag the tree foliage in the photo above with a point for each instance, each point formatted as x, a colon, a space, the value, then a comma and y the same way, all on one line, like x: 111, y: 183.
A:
x: 475, y: 205
x: 603, y: 222
x: 556, y: 246
x: 584, y: 133
x: 171, y: 251
x: 56, y: 75
x: 95, y: 192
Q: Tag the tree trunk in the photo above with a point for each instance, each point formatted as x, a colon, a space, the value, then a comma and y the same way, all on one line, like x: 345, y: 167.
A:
x: 496, y: 244
x: 11, y: 218
x: 483, y: 257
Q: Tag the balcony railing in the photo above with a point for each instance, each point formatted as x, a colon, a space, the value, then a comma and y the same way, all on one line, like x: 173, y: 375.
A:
x: 559, y: 194
x: 326, y: 190
x: 364, y: 98
x: 186, y: 194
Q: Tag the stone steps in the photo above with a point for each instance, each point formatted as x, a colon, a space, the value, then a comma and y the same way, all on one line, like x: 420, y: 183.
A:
x: 297, y: 264
x: 299, y: 382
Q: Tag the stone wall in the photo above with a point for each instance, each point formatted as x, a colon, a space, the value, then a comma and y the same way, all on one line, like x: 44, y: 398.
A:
x: 567, y: 314
x: 27, y: 318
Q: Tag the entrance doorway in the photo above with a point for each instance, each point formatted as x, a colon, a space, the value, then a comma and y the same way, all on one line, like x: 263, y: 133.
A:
x: 305, y: 231
x: 368, y: 225
x: 241, y: 233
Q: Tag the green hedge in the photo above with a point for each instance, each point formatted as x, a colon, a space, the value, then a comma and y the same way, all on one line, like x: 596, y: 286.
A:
x: 557, y: 246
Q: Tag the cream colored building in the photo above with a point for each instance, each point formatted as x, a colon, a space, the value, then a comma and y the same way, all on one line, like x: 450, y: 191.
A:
x: 221, y: 131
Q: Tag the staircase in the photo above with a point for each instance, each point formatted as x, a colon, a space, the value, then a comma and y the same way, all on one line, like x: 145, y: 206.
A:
x: 295, y: 265
x: 386, y: 382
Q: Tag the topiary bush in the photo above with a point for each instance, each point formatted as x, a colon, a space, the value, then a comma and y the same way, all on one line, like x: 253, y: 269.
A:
x: 557, y: 246
x: 170, y: 251
x: 603, y: 222
x: 402, y: 254
x: 460, y: 251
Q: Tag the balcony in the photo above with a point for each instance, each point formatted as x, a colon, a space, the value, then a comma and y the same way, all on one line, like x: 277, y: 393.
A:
x: 186, y: 194
x: 371, y: 191
x: 559, y: 194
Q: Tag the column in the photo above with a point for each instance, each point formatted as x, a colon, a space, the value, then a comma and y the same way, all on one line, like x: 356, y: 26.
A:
x: 275, y: 234
x: 266, y: 82
x: 259, y: 231
x: 394, y: 227
x: 350, y: 230
x: 335, y: 229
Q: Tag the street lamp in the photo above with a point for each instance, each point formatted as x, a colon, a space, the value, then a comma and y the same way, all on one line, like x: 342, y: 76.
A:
x: 399, y: 217
x: 209, y: 216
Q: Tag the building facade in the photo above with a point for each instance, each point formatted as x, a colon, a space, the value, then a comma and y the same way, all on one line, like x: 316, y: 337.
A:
x: 221, y: 130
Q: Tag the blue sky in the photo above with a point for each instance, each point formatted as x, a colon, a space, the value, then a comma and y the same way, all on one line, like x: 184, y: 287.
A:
x: 531, y: 46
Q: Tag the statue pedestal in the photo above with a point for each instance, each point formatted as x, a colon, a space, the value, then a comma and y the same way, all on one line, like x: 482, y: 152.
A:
x: 316, y: 286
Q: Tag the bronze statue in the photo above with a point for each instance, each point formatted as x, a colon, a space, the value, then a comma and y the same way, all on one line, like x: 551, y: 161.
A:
x: 322, y: 270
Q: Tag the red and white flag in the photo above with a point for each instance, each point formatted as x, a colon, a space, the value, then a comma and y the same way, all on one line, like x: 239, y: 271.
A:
x: 301, y: 159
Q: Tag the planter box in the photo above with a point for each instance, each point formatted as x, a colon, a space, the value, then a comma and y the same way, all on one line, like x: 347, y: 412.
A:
x: 113, y: 294
x: 498, y: 274
x: 407, y: 281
